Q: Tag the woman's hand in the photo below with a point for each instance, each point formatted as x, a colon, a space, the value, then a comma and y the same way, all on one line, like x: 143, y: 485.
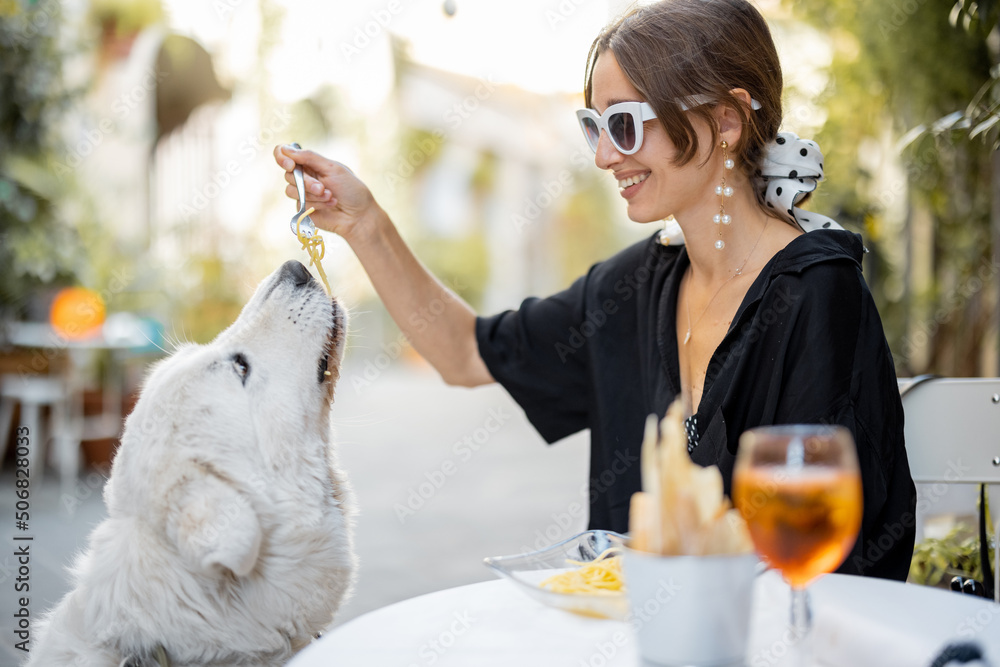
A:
x: 344, y: 205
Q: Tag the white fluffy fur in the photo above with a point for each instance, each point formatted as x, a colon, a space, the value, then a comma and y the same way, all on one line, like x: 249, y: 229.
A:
x: 228, y: 535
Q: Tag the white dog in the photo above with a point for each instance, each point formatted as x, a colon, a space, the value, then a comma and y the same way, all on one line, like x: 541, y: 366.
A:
x: 228, y: 536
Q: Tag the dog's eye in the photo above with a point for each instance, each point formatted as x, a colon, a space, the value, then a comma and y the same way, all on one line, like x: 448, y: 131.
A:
x: 242, y: 366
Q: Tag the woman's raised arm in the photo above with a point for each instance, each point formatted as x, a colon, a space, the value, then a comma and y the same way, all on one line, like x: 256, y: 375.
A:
x: 436, y: 321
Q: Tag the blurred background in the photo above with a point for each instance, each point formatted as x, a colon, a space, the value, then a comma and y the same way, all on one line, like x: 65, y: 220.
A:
x: 140, y: 206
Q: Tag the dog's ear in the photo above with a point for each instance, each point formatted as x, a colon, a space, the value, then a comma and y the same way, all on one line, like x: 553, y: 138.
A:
x: 212, y: 524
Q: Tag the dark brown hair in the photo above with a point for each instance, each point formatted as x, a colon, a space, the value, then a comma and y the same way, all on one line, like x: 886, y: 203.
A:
x: 677, y: 48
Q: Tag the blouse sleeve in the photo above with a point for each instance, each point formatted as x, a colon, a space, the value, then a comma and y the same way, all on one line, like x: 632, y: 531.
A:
x: 537, y: 353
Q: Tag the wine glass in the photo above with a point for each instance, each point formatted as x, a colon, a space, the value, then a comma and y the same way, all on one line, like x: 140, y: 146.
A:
x: 799, y: 489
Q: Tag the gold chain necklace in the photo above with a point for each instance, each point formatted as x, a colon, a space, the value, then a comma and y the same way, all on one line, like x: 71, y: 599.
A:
x: 738, y: 272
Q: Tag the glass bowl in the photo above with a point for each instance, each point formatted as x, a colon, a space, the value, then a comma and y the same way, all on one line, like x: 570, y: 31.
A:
x: 528, y: 570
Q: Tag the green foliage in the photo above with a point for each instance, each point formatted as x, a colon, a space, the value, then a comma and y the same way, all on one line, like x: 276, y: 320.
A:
x: 584, y: 231
x: 37, y: 247
x: 978, y: 17
x: 957, y: 553
x: 31, y: 88
x: 206, y: 311
x: 460, y: 263
x: 981, y: 118
x: 900, y: 65
x: 126, y: 16
x: 938, y: 559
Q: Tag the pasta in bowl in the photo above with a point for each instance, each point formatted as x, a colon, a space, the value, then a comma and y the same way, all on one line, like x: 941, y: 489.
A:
x: 581, y: 575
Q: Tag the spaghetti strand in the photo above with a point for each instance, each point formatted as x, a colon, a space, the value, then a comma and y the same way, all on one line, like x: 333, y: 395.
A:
x: 314, y: 246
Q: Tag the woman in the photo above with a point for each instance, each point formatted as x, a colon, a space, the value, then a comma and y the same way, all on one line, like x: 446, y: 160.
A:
x: 748, y: 319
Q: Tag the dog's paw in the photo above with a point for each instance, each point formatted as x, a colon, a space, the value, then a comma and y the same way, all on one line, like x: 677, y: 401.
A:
x: 213, y: 525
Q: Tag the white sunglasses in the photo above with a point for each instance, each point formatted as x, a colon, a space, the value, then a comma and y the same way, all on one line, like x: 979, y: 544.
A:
x: 623, y: 122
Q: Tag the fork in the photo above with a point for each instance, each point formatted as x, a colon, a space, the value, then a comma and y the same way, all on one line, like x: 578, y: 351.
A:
x: 306, y: 227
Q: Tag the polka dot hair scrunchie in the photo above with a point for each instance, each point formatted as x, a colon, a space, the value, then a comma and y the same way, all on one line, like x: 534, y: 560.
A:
x: 792, y: 169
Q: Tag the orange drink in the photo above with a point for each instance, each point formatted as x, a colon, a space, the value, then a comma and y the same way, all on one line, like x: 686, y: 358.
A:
x: 802, y: 522
x: 798, y: 488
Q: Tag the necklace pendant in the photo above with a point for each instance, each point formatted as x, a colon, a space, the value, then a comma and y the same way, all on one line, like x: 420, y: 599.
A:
x: 687, y: 336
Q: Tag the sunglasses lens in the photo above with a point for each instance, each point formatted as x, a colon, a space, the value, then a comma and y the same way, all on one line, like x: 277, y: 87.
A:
x: 621, y: 127
x: 591, y: 131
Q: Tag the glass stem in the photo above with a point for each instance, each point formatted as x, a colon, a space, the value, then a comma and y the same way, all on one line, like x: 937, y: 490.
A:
x: 801, y: 621
x: 801, y: 614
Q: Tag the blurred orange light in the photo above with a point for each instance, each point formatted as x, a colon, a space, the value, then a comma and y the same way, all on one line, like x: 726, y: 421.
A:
x: 77, y: 312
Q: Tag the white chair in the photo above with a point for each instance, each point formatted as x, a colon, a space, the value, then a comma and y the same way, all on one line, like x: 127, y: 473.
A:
x: 34, y: 393
x: 952, y: 432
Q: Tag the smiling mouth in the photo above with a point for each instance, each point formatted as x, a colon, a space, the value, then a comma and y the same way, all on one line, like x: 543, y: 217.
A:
x: 632, y: 180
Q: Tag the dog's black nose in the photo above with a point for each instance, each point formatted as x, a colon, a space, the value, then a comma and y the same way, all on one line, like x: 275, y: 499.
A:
x: 294, y: 272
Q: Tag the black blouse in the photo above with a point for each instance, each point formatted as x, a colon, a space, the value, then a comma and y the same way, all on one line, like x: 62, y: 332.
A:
x: 805, y: 346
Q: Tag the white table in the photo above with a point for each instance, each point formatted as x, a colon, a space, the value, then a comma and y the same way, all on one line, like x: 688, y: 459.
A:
x: 493, y: 623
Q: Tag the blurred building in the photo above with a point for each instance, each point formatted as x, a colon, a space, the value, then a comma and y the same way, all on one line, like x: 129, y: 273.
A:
x: 496, y: 161
x: 491, y: 183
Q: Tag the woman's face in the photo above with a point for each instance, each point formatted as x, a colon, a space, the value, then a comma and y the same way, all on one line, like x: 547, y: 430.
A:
x: 648, y: 179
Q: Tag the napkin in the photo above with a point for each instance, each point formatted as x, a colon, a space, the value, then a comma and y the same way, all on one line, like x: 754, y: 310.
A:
x: 841, y: 639
x: 844, y: 635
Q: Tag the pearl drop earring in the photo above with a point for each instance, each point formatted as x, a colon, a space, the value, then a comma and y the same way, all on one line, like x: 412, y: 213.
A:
x: 723, y: 190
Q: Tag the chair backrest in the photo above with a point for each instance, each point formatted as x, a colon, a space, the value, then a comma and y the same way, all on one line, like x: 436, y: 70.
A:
x: 952, y: 430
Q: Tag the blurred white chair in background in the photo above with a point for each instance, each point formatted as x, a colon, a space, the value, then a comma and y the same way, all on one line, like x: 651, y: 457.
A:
x: 34, y: 393
x: 952, y: 430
